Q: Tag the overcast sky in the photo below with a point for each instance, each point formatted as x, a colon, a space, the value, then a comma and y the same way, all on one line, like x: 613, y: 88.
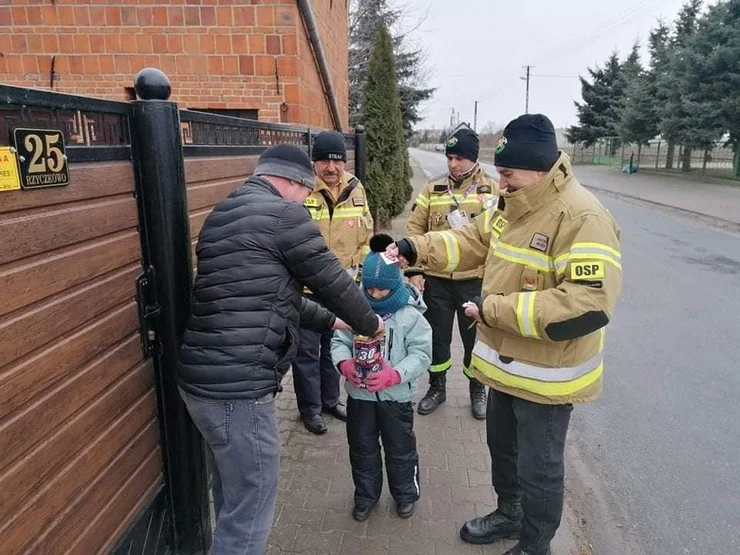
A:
x: 476, y: 49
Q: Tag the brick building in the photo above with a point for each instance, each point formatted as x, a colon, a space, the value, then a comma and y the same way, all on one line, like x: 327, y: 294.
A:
x: 249, y: 58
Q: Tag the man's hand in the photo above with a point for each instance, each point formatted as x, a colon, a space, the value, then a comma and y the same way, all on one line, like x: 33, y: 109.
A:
x: 340, y: 324
x: 418, y: 282
x: 392, y: 251
x: 381, y: 326
x: 471, y: 311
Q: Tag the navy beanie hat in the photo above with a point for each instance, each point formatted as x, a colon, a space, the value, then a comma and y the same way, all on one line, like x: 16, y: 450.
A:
x: 464, y: 143
x: 376, y: 273
x: 329, y: 145
x: 528, y: 143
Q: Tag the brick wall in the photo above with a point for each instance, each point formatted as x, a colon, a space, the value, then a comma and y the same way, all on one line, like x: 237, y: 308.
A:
x: 219, y: 54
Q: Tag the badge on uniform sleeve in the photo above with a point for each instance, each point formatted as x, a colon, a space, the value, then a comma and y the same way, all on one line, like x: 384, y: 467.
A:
x: 358, y: 201
x: 529, y: 283
x: 587, y: 271
x: 310, y: 201
x: 499, y: 224
x: 539, y: 242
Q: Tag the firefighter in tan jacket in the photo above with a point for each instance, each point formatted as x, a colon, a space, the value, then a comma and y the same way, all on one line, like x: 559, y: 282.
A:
x: 449, y: 202
x: 339, y: 207
x: 552, y: 278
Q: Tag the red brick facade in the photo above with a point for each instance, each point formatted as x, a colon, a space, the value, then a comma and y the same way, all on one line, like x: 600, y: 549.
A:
x: 219, y: 54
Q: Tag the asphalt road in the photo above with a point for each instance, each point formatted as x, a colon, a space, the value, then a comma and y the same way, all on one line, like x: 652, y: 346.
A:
x: 664, y: 439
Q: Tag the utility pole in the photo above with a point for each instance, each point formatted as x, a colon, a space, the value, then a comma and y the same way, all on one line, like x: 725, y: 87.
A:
x: 526, y: 101
x: 452, y: 119
x: 475, y: 117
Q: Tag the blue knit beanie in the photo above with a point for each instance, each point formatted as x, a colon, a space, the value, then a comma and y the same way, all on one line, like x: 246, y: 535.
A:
x: 376, y: 273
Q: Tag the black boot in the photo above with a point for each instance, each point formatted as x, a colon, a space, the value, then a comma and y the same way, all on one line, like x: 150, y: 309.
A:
x: 477, y: 399
x: 315, y: 424
x: 519, y: 550
x: 405, y: 510
x: 504, y: 522
x: 437, y: 393
x: 361, y: 514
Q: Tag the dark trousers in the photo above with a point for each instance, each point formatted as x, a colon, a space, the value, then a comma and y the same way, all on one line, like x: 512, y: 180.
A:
x: 444, y: 299
x: 244, y: 450
x: 367, y: 421
x: 315, y: 377
x: 527, y: 442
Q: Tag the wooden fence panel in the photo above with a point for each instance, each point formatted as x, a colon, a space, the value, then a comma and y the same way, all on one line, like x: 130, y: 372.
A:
x: 79, y: 439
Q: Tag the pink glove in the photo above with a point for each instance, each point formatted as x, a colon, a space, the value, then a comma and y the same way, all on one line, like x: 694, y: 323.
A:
x: 348, y: 369
x: 387, y: 377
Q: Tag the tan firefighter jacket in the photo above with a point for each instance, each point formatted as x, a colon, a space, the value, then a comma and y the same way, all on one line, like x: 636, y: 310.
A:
x: 345, y: 221
x: 553, y: 273
x: 441, y: 196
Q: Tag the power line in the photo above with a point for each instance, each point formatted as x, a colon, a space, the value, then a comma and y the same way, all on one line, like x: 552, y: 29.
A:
x: 608, y: 25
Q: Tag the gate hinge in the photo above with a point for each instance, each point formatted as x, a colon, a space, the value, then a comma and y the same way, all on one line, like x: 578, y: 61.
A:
x: 149, y: 309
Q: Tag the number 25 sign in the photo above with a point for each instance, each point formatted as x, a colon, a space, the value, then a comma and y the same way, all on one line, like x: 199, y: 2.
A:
x: 42, y: 160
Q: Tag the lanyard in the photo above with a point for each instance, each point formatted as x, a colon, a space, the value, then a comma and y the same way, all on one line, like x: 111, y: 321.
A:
x: 465, y: 194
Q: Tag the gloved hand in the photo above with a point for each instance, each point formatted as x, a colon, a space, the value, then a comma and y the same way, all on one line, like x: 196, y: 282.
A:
x: 387, y: 377
x: 348, y: 369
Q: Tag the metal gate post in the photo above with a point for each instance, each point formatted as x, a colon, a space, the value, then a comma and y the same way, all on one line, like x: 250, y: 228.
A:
x: 159, y: 166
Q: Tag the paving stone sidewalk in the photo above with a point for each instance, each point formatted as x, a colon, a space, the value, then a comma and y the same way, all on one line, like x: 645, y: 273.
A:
x: 313, y: 512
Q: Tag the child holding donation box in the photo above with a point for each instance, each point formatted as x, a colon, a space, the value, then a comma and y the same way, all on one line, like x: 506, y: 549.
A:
x: 382, y: 375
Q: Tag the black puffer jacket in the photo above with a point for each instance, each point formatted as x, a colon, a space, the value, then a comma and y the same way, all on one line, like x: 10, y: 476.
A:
x: 256, y: 252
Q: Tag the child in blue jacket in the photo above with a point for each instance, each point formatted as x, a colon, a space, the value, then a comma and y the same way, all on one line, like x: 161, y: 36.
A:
x: 380, y: 407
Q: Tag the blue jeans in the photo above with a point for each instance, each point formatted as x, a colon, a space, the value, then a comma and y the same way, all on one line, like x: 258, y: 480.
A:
x: 243, y: 437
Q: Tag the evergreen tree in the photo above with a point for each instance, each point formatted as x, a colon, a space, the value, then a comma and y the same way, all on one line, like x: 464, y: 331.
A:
x: 599, y: 113
x: 708, y: 69
x: 637, y: 122
x: 386, y: 180
x: 674, y: 118
x: 366, y: 16
x: 630, y: 69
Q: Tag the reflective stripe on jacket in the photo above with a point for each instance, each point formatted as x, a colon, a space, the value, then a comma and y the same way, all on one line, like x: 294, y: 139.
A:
x: 441, y: 196
x: 552, y: 277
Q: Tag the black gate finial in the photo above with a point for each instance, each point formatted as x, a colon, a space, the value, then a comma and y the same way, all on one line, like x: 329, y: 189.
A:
x: 152, y: 84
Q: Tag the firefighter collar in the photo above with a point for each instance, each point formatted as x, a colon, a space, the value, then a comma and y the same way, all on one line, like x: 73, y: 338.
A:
x: 335, y: 193
x: 471, y: 176
x: 532, y: 198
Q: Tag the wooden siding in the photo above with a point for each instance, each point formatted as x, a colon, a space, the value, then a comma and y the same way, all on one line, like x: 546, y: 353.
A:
x: 79, y: 437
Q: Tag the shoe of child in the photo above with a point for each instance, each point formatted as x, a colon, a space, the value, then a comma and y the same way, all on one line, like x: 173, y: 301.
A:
x: 361, y: 514
x: 405, y: 510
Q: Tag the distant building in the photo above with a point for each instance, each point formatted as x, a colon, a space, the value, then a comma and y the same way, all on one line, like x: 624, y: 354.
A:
x: 462, y: 125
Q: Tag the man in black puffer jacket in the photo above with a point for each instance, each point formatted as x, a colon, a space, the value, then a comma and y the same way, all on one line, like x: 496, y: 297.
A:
x: 256, y: 252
